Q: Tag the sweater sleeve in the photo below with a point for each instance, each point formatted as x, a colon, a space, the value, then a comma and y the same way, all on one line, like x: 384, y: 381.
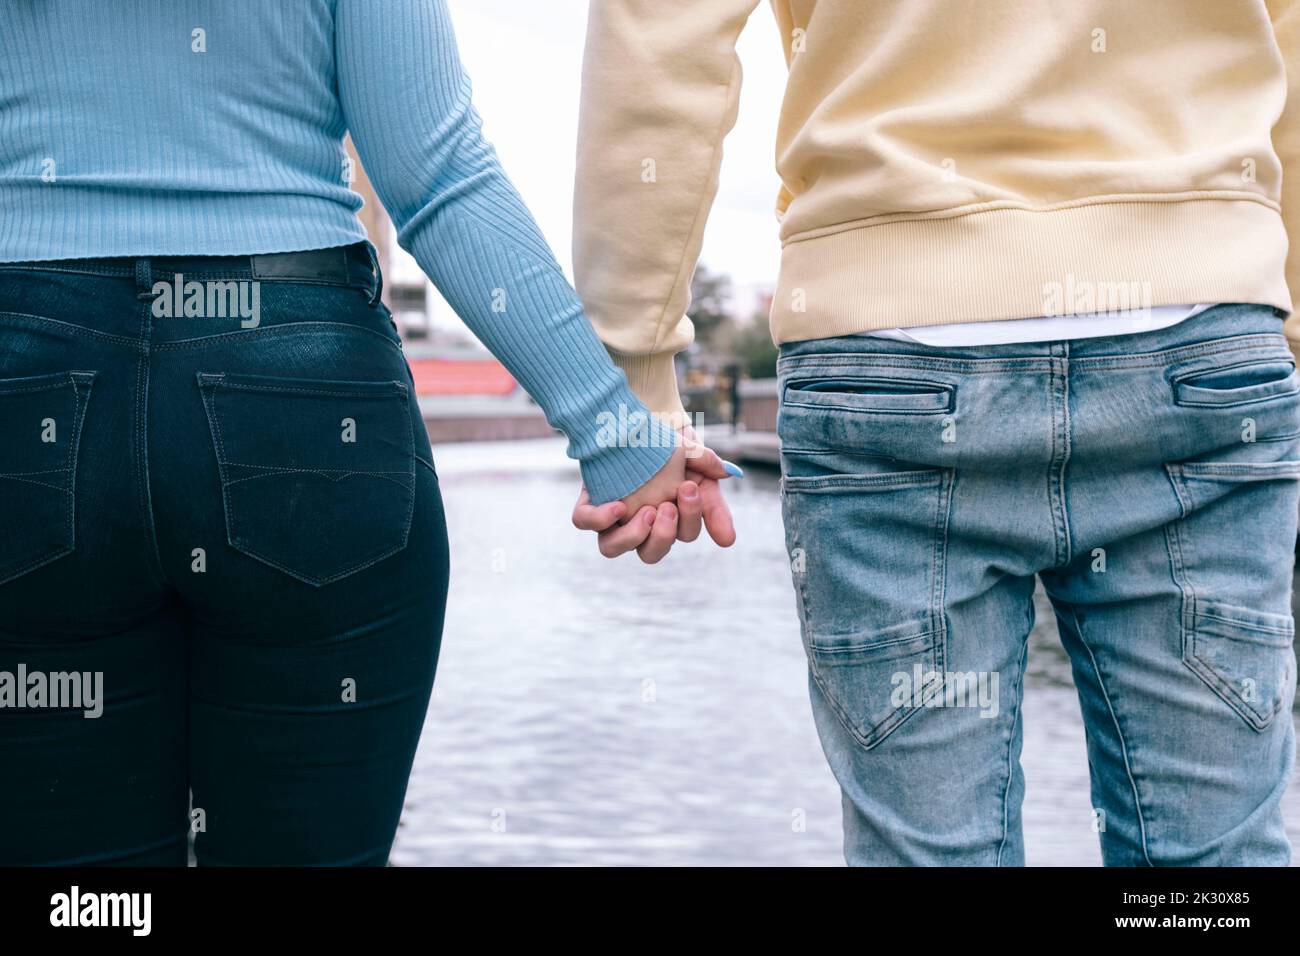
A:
x: 1286, y: 142
x: 660, y: 91
x: 406, y: 101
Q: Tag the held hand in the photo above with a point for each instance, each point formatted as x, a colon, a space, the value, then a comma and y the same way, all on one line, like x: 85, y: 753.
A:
x: 683, y: 495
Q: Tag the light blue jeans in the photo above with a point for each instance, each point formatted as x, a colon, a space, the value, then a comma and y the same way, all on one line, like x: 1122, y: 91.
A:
x: 1150, y: 481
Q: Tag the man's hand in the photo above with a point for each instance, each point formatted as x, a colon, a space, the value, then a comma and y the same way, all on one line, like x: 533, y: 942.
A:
x: 670, y: 507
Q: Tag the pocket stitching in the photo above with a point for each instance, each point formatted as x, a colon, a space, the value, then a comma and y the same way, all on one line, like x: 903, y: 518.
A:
x: 80, y: 405
x: 934, y: 652
x: 1183, y: 381
x: 877, y: 733
x: 937, y: 389
x: 1180, y: 472
x: 208, y: 384
x: 885, y: 481
x: 1210, y: 675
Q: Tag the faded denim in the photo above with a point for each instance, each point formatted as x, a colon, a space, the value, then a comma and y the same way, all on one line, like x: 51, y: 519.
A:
x: 1150, y: 482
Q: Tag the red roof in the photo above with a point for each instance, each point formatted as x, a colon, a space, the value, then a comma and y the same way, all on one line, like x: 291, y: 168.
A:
x: 439, y: 376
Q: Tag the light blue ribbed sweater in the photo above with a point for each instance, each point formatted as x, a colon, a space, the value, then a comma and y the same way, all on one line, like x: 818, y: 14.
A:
x: 124, y: 131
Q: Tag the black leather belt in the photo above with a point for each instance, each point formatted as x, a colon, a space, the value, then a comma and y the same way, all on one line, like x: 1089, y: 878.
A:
x: 356, y: 265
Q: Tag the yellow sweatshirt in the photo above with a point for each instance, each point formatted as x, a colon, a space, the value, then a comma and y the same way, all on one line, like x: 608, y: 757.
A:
x: 944, y: 161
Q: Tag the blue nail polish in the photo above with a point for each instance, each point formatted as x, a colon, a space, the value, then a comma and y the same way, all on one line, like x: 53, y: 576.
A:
x: 733, y: 470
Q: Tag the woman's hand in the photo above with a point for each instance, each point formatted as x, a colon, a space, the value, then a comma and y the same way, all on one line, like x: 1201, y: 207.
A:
x: 672, y: 506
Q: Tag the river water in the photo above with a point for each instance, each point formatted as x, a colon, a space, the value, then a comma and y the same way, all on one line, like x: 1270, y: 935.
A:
x: 604, y: 712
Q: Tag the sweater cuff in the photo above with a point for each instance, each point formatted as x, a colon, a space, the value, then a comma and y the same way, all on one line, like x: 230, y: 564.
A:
x: 630, y: 446
x: 654, y: 379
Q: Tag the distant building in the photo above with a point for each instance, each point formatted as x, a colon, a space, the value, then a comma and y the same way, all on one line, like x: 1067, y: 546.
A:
x: 465, y: 393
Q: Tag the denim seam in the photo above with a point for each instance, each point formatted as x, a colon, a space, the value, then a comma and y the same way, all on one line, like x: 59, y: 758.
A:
x: 23, y: 474
x: 69, y: 468
x: 316, y: 327
x: 308, y: 390
x: 1280, y: 631
x: 1017, y: 701
x: 107, y: 272
x: 324, y: 472
x: 383, y: 476
x: 939, y: 566
x: 889, y: 482
x: 895, y: 719
x: 804, y: 363
x: 318, y: 581
x: 29, y: 481
x: 1119, y: 732
x: 1260, y: 721
x: 1060, y: 387
x: 921, y: 402
x: 74, y: 452
x: 1245, y: 470
x: 64, y: 382
x: 207, y: 394
x: 1189, y: 376
x: 831, y: 650
x: 72, y: 328
x: 1220, y: 346
x: 870, y: 410
x: 1183, y: 403
x: 978, y: 366
x: 143, y: 494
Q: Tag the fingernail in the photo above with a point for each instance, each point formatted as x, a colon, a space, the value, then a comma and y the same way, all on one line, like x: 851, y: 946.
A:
x: 690, y: 492
x: 650, y: 516
x: 734, y: 471
x: 619, y: 509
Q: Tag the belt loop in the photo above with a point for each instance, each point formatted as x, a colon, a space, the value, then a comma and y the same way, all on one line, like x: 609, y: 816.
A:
x: 374, y: 266
x: 144, y: 279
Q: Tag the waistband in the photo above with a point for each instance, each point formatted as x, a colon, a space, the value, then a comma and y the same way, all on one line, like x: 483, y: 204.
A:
x: 1221, y: 322
x: 355, y: 266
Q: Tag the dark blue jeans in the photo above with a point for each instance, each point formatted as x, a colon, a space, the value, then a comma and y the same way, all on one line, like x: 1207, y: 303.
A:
x: 223, y: 563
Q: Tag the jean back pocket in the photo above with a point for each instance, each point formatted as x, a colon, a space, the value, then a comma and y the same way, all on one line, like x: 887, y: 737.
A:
x: 317, y: 477
x: 40, y: 434
x: 1243, y: 656
x: 867, y: 553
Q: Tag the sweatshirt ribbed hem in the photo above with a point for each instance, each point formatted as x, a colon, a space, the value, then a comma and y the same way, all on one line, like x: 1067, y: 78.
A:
x: 1015, y: 263
x: 654, y: 379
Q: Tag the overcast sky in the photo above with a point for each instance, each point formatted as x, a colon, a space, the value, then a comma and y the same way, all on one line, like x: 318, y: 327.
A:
x: 525, y: 60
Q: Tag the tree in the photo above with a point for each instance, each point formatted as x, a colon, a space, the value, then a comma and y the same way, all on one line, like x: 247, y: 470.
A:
x: 710, y: 304
x: 755, y: 350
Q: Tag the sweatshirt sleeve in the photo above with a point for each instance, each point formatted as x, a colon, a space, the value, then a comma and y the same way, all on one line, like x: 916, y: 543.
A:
x: 1286, y: 142
x: 406, y: 101
x: 660, y: 91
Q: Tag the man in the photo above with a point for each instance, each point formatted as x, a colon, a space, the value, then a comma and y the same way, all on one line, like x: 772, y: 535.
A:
x: 1030, y: 309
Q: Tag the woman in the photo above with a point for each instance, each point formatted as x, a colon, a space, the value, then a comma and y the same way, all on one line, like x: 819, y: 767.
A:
x: 223, y: 561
